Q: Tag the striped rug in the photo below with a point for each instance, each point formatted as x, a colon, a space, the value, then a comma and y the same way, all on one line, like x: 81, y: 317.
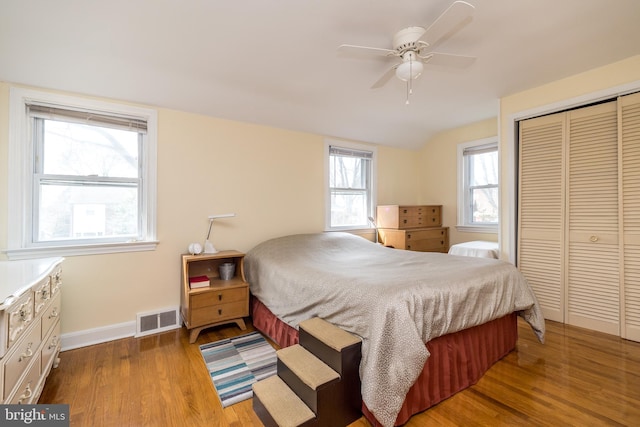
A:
x: 236, y: 363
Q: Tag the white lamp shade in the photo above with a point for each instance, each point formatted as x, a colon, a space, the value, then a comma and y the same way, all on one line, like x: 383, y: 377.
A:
x: 409, y: 70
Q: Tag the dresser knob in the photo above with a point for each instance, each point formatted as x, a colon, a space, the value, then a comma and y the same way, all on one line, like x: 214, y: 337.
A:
x: 593, y: 239
x: 219, y: 312
x: 27, y: 354
x: 219, y: 297
x: 54, y: 342
x: 27, y: 393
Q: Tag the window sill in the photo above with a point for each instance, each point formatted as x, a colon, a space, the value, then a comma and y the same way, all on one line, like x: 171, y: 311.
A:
x: 95, y: 249
x: 477, y: 228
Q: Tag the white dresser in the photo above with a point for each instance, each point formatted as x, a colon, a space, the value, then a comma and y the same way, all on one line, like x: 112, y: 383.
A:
x: 30, y: 292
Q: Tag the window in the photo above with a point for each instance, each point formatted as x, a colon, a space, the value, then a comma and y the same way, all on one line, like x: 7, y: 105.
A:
x: 350, y: 178
x: 87, y: 182
x: 478, y: 190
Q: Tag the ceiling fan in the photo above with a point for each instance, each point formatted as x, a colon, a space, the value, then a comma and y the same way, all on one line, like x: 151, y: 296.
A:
x: 412, y: 46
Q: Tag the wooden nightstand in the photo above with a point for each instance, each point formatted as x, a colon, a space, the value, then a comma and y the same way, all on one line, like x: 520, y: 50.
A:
x: 222, y: 302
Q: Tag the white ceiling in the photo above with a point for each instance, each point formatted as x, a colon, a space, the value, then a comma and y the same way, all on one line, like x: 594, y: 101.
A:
x: 276, y: 62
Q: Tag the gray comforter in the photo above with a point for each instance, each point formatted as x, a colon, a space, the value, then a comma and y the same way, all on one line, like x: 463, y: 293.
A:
x: 394, y: 300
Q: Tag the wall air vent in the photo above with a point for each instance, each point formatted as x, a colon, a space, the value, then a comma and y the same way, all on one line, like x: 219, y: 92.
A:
x: 157, y: 321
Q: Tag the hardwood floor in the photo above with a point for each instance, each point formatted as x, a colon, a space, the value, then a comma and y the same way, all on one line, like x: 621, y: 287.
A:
x: 578, y: 377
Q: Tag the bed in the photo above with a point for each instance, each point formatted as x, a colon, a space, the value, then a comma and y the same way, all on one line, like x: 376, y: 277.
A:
x: 436, y: 320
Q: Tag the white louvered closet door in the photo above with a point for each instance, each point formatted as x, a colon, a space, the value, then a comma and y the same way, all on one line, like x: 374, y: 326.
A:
x: 592, y: 245
x: 541, y: 210
x: 630, y: 182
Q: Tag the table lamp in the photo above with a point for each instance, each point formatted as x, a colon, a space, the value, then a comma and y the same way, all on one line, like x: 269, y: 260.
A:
x: 208, y: 246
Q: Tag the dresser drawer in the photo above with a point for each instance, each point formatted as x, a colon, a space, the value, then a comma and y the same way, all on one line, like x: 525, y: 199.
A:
x: 219, y: 312
x: 56, y: 280
x: 24, y: 352
x: 42, y: 295
x: 51, y: 315
x: 27, y: 392
x: 435, y: 233
x: 426, y: 240
x: 219, y: 296
x: 20, y: 316
x: 51, y: 348
x: 427, y: 245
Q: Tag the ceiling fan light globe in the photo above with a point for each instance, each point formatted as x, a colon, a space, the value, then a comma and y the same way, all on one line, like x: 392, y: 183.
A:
x: 409, y: 70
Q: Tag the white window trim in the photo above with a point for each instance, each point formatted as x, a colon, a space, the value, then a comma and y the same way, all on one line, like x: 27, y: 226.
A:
x: 374, y: 178
x: 21, y: 176
x: 461, y: 226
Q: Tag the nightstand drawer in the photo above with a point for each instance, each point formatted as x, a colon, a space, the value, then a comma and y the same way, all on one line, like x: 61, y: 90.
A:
x: 217, y: 313
x: 217, y: 297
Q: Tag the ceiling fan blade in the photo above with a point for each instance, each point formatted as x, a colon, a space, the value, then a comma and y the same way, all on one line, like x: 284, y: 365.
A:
x: 352, y: 49
x: 448, y: 59
x: 458, y: 14
x: 385, y: 77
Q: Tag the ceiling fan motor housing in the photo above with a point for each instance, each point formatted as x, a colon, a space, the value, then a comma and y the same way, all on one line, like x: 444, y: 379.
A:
x: 406, y: 39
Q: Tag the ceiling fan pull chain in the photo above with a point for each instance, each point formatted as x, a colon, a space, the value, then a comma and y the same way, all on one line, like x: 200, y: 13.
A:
x: 407, y: 101
x: 411, y: 75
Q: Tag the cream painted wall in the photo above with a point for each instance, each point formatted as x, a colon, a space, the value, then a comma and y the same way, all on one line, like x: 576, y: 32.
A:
x: 271, y: 178
x: 576, y: 90
x: 397, y: 182
x: 439, y: 174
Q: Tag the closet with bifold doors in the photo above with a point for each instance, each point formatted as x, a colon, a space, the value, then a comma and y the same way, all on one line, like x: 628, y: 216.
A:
x: 579, y: 214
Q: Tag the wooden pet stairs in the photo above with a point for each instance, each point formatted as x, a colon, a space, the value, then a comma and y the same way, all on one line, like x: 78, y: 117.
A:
x: 318, y: 380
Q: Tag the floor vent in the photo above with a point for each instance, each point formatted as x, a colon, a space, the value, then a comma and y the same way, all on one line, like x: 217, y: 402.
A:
x: 158, y: 321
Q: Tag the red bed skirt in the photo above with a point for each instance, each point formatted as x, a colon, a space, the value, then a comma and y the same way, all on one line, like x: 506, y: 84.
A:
x: 457, y: 360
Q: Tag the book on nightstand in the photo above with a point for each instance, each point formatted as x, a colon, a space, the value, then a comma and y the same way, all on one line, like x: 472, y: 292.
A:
x: 198, y: 282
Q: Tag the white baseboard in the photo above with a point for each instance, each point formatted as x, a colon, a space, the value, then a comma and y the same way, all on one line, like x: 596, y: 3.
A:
x: 100, y: 335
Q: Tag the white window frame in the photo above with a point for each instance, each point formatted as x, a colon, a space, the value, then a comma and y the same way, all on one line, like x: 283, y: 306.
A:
x: 464, y: 223
x: 21, y: 176
x: 372, y: 184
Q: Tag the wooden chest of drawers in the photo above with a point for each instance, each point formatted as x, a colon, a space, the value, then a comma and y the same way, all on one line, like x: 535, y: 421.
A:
x: 222, y: 301
x: 416, y: 228
x: 30, y: 297
x: 403, y: 217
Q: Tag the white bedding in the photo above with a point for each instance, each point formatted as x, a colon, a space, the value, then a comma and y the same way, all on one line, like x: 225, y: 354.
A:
x: 394, y: 300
